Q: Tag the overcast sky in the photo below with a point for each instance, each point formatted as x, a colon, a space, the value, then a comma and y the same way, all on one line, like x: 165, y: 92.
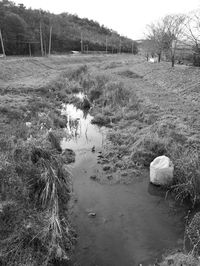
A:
x: 127, y: 17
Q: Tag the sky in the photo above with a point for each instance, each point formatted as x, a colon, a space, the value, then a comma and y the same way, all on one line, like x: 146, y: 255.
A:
x: 127, y: 17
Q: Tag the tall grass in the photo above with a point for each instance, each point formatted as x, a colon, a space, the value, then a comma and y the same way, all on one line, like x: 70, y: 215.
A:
x: 187, y: 174
x: 35, y: 228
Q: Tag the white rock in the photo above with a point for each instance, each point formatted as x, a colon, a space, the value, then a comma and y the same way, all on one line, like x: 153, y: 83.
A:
x: 161, y: 171
x: 28, y: 124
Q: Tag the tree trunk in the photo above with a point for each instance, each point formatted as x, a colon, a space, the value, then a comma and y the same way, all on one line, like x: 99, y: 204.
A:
x: 41, y: 40
x: 50, y: 40
x: 173, y: 61
x: 159, y: 57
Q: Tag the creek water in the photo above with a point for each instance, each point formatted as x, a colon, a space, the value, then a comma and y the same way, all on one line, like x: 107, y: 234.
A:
x: 132, y: 224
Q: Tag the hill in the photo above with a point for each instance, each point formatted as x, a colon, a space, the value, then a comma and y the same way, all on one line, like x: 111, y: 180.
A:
x: 22, y: 29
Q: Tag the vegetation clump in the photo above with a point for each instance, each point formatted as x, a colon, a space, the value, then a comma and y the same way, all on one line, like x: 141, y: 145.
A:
x: 180, y: 259
x: 36, y: 186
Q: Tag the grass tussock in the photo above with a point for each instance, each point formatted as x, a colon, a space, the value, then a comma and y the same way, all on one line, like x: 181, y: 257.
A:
x: 101, y: 120
x: 187, y: 174
x: 130, y: 74
x: 193, y: 233
x: 76, y: 74
x: 35, y: 188
x: 180, y: 259
x: 147, y: 148
x: 116, y: 94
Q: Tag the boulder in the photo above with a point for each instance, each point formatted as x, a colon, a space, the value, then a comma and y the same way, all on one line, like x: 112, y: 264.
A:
x: 161, y: 171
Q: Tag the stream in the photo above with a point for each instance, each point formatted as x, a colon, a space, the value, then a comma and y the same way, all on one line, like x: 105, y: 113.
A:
x: 117, y: 225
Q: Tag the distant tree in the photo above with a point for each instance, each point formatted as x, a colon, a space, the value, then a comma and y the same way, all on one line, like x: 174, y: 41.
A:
x: 148, y: 47
x: 192, y: 34
x: 157, y: 38
x: 15, y: 32
x: 174, y: 31
x: 192, y: 28
x: 21, y: 29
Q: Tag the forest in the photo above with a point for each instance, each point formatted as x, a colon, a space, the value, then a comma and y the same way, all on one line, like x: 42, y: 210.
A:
x: 28, y: 32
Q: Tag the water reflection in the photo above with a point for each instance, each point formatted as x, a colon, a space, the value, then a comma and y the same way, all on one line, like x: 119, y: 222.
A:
x: 82, y: 134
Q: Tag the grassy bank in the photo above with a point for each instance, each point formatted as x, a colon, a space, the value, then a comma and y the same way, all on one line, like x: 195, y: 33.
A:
x: 141, y: 131
x: 35, y: 179
x: 146, y: 116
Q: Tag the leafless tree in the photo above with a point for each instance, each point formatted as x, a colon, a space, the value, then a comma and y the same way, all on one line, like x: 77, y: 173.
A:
x: 174, y: 28
x: 192, y: 28
x: 156, y: 35
x: 166, y: 33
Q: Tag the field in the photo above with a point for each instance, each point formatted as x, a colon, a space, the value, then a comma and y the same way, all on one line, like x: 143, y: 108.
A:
x: 149, y: 110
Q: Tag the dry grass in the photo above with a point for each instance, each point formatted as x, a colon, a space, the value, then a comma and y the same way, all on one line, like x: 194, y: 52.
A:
x: 193, y: 233
x: 180, y: 259
x: 154, y: 115
x: 38, y: 184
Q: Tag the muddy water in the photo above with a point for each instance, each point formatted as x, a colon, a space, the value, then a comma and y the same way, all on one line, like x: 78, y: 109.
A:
x: 133, y: 224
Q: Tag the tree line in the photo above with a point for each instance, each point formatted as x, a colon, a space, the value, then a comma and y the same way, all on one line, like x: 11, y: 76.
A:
x: 172, y: 31
x: 29, y: 32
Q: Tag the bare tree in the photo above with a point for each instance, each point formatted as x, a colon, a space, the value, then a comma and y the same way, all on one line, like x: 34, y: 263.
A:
x: 174, y: 31
x: 156, y: 36
x: 165, y: 34
x: 192, y: 28
x: 192, y: 34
